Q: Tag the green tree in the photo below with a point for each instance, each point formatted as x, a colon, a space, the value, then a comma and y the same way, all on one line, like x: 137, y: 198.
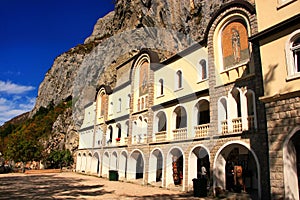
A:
x: 21, y: 147
x: 60, y: 158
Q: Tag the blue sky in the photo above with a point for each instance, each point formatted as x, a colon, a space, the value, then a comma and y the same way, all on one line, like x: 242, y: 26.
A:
x: 32, y: 34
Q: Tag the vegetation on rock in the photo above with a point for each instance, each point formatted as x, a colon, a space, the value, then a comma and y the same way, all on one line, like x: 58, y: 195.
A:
x: 23, y: 142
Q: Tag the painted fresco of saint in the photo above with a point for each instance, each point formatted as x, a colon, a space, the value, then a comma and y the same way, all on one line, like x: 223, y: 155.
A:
x: 143, y: 85
x: 236, y: 45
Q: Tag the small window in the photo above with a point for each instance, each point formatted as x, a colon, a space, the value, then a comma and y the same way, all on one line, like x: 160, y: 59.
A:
x: 143, y: 104
x: 128, y: 101
x: 146, y: 101
x: 120, y: 105
x: 179, y: 79
x: 296, y: 54
x: 161, y: 87
x: 203, y: 69
x: 293, y: 55
x: 111, y: 108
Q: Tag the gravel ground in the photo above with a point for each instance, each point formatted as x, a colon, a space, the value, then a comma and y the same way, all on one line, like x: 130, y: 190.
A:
x: 69, y: 185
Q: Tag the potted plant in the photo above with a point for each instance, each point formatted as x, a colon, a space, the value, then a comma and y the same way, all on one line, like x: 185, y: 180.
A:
x: 118, y: 139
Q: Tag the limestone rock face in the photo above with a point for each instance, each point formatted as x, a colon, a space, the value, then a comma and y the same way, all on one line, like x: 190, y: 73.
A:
x: 168, y: 26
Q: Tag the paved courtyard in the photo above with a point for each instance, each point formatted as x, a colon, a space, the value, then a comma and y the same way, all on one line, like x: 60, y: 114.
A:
x: 68, y: 185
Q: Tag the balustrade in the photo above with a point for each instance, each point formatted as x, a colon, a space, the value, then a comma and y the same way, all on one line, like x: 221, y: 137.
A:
x: 201, y: 130
x: 160, y: 136
x: 180, y: 134
x: 237, y: 125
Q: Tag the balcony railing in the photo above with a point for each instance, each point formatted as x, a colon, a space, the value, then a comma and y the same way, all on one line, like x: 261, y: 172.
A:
x: 237, y: 125
x: 180, y: 134
x: 139, y: 139
x: 224, y: 126
x: 160, y: 136
x: 201, y: 130
x: 251, y: 124
x: 126, y: 140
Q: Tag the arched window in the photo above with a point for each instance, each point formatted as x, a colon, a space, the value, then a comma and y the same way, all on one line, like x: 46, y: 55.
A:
x: 110, y: 132
x: 142, y: 104
x: 296, y: 54
x: 179, y: 79
x: 222, y: 115
x: 111, y: 109
x: 127, y: 128
x: 119, y: 130
x: 237, y: 98
x: 146, y: 101
x: 293, y: 54
x: 203, y: 69
x: 128, y: 100
x: 139, y: 105
x: 161, y: 122
x: 203, y: 116
x: 181, y: 117
x: 161, y: 87
x: 101, y: 103
x: 120, y: 105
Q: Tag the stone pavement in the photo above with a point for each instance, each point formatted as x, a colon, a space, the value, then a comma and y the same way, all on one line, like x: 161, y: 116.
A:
x: 68, y: 185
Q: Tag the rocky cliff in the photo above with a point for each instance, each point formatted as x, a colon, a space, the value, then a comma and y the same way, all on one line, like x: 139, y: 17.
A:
x: 168, y: 26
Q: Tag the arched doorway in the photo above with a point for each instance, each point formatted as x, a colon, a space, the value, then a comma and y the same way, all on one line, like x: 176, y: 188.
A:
x: 291, y: 160
x: 199, y: 164
x: 136, y: 165
x: 114, y: 161
x: 95, y: 163
x: 88, y: 163
x: 105, y: 164
x: 83, y: 164
x: 155, y: 167
x: 78, y: 162
x: 236, y: 169
x: 175, y: 167
x: 123, y: 166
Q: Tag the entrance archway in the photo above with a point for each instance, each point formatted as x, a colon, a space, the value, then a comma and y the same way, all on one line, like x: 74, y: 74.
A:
x: 155, y: 166
x: 123, y: 166
x: 199, y: 164
x: 78, y: 162
x: 88, y: 163
x: 175, y: 167
x: 83, y: 164
x: 291, y: 161
x: 105, y: 164
x: 95, y: 163
x: 136, y: 165
x: 114, y: 161
x: 236, y: 168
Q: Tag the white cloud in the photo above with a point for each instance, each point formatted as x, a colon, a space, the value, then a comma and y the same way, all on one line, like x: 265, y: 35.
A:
x: 12, y: 107
x: 12, y: 88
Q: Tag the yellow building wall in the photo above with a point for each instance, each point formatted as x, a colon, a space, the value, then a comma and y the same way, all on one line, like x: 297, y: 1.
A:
x: 271, y: 12
x: 189, y: 107
x: 274, y: 68
x: 114, y: 112
x: 191, y: 80
x: 89, y: 116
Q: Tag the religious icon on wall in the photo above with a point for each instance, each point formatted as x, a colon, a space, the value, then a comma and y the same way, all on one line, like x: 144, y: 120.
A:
x: 143, y: 84
x: 103, y: 105
x: 235, y: 49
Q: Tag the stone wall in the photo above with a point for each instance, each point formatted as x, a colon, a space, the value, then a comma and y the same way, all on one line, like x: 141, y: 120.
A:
x: 283, y: 115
